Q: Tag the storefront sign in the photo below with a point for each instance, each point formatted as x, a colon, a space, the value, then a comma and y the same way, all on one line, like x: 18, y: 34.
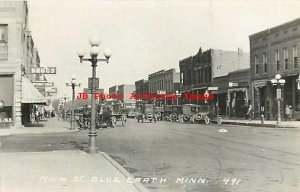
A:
x: 40, y: 84
x: 161, y: 92
x: 89, y: 91
x: 231, y: 84
x: 278, y: 93
x: 212, y: 88
x: 96, y: 83
x: 43, y: 70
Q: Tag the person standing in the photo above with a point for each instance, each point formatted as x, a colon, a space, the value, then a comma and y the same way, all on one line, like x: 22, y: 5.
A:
x: 287, y: 112
x: 249, y: 112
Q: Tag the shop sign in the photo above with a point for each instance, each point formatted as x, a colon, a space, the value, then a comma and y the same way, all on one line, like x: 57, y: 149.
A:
x: 43, y: 70
x: 89, y: 91
x: 90, y: 80
x: 232, y: 84
x: 278, y: 94
x: 212, y: 88
x: 41, y: 84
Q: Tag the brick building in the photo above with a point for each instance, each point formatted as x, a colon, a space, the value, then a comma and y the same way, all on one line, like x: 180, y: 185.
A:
x: 16, y: 58
x: 164, y: 82
x: 197, y: 73
x: 233, y: 93
x: 275, y: 51
x: 123, y: 92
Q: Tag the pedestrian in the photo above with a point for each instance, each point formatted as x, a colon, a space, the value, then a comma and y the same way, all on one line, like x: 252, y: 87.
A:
x: 287, y: 112
x: 218, y: 109
x: 291, y: 113
x: 58, y: 114
x: 37, y: 116
x: 249, y: 112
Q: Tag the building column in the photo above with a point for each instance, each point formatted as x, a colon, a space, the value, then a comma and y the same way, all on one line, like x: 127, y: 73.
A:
x: 18, y: 97
x: 294, y: 95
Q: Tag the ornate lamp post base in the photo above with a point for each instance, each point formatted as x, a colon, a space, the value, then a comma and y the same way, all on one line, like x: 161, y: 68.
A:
x: 92, y: 149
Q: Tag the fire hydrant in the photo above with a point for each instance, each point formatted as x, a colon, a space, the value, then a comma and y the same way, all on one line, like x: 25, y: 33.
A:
x: 262, y: 119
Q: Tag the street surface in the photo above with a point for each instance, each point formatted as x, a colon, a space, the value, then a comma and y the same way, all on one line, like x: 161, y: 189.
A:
x: 176, y: 157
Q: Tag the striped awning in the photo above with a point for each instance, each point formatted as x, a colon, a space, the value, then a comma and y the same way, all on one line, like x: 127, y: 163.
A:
x: 30, y: 94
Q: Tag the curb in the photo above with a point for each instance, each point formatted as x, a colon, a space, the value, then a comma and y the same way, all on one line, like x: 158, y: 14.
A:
x: 259, y: 125
x: 138, y: 186
x: 38, y: 132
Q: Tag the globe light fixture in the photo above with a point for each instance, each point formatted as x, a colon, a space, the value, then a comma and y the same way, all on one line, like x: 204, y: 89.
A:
x: 73, y: 84
x: 94, y: 41
x: 94, y: 51
x: 277, y: 81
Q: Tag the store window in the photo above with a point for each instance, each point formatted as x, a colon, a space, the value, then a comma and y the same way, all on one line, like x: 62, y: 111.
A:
x: 6, y: 98
x: 256, y: 63
x: 265, y: 62
x: 277, y: 59
x: 3, y: 42
x: 295, y: 56
x: 286, y: 58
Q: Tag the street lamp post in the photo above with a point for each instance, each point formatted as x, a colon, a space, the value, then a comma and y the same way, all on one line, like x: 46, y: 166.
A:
x: 65, y: 101
x: 73, y: 84
x: 177, y: 95
x: 278, y: 82
x: 94, y: 42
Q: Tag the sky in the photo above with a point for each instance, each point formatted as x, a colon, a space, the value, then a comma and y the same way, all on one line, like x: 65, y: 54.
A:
x: 144, y: 36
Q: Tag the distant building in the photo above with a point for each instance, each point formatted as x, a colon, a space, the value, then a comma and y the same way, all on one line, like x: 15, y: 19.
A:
x: 17, y: 55
x: 122, y: 92
x: 233, y: 93
x: 141, y: 86
x: 164, y: 82
x: 197, y: 73
x: 275, y: 51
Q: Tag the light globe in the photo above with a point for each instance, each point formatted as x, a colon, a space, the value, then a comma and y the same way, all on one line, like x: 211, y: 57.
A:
x: 94, y: 41
x: 80, y: 52
x: 94, y: 51
x: 107, y: 53
x: 277, y: 76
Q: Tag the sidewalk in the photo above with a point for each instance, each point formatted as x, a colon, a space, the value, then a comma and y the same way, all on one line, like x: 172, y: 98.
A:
x: 64, y: 171
x: 49, y: 125
x: 257, y: 123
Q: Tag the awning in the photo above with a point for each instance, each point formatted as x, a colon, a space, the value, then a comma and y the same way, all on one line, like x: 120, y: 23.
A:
x: 30, y: 94
x: 49, y: 108
x: 259, y: 83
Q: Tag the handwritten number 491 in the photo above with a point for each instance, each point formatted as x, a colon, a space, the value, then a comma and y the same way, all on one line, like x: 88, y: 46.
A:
x: 231, y: 181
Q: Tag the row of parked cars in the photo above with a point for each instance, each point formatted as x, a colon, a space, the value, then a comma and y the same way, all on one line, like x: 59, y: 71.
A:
x: 182, y: 113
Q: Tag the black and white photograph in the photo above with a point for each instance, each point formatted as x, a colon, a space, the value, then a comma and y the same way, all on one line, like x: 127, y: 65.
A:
x: 149, y: 96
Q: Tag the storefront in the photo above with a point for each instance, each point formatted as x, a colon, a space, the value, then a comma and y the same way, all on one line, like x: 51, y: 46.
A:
x: 237, y: 102
x: 31, y: 101
x: 6, y: 101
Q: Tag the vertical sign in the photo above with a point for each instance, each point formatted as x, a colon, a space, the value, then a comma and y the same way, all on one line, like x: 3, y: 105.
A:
x: 278, y: 93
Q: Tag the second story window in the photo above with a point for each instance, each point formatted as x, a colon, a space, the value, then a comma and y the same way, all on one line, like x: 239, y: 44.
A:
x: 256, y: 63
x: 286, y: 58
x: 3, y: 42
x: 295, y: 56
x: 265, y: 62
x: 277, y: 59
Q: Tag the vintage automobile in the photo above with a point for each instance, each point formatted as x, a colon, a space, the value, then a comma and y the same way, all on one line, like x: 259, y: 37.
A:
x: 189, y: 112
x: 208, y: 114
x: 159, y: 111
x: 146, y: 112
x: 176, y: 112
x: 167, y: 112
x: 82, y: 116
x: 118, y: 114
x: 131, y: 113
x: 199, y: 113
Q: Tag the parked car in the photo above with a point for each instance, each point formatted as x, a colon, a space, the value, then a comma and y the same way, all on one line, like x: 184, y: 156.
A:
x: 167, y: 112
x: 146, y: 112
x: 159, y: 111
